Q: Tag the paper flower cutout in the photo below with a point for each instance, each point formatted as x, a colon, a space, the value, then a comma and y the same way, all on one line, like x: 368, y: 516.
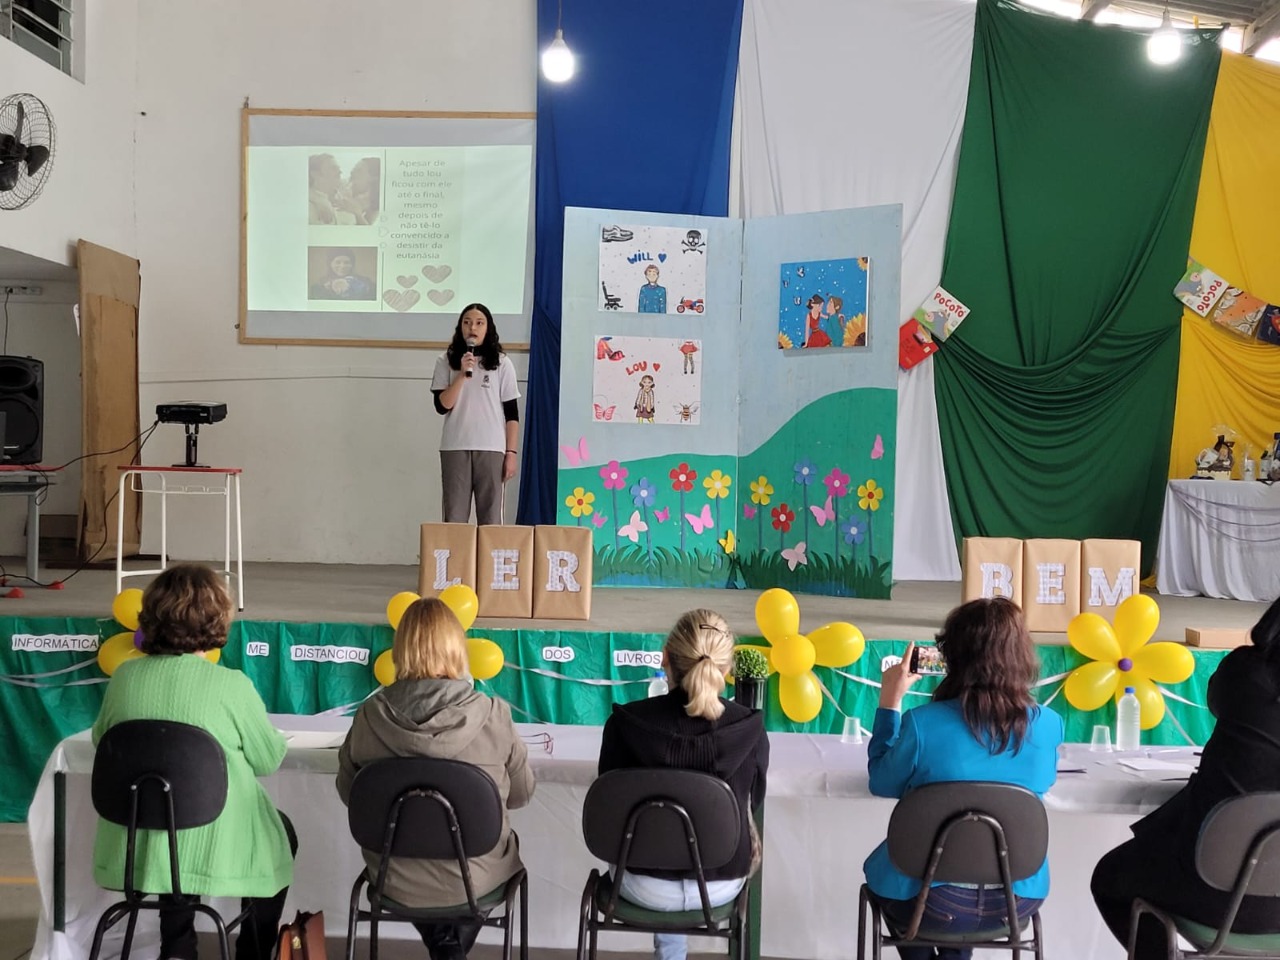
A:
x: 579, y: 502
x: 1123, y: 657
x: 682, y: 478
x: 761, y: 491
x: 837, y: 482
x: 783, y: 517
x: 870, y: 495
x: 642, y: 493
x: 717, y: 485
x: 614, y: 475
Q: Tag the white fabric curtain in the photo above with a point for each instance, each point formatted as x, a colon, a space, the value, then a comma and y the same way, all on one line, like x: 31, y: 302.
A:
x: 853, y: 103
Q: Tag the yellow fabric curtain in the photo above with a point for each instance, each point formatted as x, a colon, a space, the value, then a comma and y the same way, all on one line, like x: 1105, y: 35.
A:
x: 1222, y: 377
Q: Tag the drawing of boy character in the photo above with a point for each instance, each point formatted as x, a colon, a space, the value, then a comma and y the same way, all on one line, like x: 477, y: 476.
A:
x: 835, y: 320
x: 653, y: 298
x: 645, y: 404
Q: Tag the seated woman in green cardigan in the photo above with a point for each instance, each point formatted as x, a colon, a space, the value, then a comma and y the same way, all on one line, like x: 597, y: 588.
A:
x: 248, y: 850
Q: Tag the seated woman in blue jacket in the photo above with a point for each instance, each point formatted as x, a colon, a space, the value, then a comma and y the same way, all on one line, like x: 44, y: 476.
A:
x: 982, y: 724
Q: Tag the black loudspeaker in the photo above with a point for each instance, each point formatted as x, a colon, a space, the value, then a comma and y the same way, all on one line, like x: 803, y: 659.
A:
x: 22, y: 403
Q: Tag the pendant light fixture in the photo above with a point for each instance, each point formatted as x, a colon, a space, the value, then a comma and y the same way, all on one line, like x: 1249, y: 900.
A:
x: 557, y: 59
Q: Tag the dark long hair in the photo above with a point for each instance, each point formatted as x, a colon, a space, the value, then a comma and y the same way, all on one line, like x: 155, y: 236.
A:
x: 991, y: 665
x: 1265, y: 634
x: 488, y: 352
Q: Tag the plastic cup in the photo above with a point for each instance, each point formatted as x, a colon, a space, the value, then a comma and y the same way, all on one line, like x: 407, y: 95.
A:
x: 852, y: 732
x: 1100, y: 742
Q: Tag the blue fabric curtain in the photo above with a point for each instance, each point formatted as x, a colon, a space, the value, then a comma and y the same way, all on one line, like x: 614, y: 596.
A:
x: 643, y: 125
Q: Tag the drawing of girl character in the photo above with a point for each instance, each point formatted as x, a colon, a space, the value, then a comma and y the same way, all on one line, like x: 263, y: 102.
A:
x: 688, y: 348
x: 814, y: 335
x: 645, y: 404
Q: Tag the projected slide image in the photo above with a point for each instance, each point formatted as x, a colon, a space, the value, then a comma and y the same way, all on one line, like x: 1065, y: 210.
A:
x: 343, y: 198
x: 342, y: 273
x: 406, y: 218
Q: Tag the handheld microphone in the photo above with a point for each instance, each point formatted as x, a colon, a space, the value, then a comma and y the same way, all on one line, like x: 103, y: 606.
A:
x: 471, y: 349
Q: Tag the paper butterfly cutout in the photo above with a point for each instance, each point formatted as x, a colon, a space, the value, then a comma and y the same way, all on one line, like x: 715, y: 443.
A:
x: 877, y: 448
x: 823, y: 514
x: 576, y: 456
x: 727, y: 542
x: 599, y: 519
x: 700, y: 522
x: 795, y: 557
x: 748, y: 511
x: 604, y: 413
x: 633, y: 529
x: 662, y: 515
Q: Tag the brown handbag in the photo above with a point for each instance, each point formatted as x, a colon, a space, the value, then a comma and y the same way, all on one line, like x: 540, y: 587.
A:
x: 303, y: 939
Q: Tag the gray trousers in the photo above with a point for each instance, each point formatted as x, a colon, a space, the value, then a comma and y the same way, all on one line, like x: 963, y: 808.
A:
x: 465, y: 473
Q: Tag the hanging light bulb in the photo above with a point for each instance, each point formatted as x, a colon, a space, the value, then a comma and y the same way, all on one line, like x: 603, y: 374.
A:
x: 1165, y: 45
x: 557, y: 59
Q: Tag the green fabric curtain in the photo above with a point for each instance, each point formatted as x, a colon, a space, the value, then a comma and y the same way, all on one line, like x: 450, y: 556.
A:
x: 1069, y: 228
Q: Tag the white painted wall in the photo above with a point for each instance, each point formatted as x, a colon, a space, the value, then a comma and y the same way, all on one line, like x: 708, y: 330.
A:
x: 339, y: 445
x: 90, y: 192
x: 43, y: 327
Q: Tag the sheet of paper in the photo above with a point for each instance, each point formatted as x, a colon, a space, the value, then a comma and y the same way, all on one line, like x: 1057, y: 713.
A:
x: 1147, y: 763
x: 313, y: 739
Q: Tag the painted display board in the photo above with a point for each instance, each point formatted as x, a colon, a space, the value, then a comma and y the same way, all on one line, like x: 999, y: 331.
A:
x: 728, y: 398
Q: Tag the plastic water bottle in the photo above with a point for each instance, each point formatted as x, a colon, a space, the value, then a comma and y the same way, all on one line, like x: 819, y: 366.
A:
x: 658, y: 685
x: 1128, y: 716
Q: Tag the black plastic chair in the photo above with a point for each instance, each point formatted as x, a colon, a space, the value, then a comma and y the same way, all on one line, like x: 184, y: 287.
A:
x: 419, y: 808
x: 1238, y: 851
x: 655, y: 819
x: 157, y: 775
x: 963, y: 833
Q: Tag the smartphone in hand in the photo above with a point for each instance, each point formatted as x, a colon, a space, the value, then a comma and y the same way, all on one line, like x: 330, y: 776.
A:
x: 926, y: 661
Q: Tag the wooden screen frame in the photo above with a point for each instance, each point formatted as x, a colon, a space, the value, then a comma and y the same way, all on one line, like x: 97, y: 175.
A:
x: 241, y: 323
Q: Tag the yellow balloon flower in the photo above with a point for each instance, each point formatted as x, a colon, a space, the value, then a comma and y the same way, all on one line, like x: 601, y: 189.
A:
x: 1123, y: 657
x: 800, y: 696
x: 777, y: 614
x: 464, y: 603
x: 398, y: 604
x: 485, y: 658
x: 126, y: 607
x: 117, y: 650
x: 793, y: 655
x: 384, y: 669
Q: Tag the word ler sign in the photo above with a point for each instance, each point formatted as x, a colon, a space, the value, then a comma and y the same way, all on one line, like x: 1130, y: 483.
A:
x: 542, y: 572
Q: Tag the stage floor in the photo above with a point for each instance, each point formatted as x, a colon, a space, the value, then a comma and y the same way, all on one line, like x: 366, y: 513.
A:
x: 341, y: 593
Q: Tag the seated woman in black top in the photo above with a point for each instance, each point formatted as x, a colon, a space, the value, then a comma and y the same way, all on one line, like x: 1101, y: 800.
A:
x: 693, y: 728
x: 1242, y: 756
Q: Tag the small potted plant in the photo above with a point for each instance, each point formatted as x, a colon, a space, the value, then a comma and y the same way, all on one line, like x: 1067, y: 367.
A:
x: 750, y: 674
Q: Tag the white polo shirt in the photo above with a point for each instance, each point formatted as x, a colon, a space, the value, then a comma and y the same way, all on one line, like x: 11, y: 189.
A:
x: 476, y: 421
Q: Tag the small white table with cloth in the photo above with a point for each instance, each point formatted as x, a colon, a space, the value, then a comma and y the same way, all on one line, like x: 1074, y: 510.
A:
x: 1220, y: 538
x: 820, y: 823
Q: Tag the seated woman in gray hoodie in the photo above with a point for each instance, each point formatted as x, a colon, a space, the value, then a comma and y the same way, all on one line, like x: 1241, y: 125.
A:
x: 432, y: 711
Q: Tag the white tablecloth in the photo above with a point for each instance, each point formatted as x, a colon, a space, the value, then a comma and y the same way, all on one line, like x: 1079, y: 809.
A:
x: 820, y: 824
x: 1220, y: 538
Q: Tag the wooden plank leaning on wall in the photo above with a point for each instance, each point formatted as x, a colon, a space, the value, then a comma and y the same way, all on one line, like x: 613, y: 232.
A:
x: 110, y: 285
